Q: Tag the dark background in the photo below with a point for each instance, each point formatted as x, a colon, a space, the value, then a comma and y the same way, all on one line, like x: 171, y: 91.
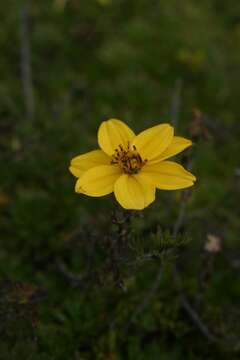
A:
x: 68, y: 290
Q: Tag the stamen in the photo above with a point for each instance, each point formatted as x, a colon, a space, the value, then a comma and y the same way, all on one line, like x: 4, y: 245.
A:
x: 128, y: 160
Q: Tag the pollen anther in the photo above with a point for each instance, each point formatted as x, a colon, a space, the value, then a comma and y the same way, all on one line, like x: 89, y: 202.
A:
x: 130, y: 161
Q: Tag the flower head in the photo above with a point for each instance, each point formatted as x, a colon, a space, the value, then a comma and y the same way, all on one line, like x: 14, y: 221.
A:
x: 132, y: 166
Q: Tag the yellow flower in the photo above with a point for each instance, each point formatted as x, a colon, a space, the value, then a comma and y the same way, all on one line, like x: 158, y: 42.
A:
x: 132, y: 166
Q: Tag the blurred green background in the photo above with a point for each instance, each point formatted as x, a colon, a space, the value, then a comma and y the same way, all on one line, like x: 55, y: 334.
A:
x: 65, y: 67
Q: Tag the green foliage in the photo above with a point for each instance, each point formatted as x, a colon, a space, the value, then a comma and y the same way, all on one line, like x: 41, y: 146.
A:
x: 74, y: 278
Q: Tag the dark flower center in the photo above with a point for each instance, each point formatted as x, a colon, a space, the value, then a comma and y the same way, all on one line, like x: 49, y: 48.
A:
x: 129, y: 160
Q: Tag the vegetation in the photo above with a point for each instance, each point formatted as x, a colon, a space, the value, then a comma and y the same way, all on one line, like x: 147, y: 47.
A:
x: 80, y: 278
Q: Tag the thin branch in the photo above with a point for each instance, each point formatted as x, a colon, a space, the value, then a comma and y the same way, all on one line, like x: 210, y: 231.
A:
x: 176, y: 102
x: 197, y: 320
x: 147, y: 298
x: 77, y: 280
x: 181, y: 215
x: 26, y: 69
x: 192, y: 313
x: 139, y: 260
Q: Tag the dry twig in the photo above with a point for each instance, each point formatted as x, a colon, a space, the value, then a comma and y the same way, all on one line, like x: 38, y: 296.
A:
x: 26, y: 69
x: 176, y: 102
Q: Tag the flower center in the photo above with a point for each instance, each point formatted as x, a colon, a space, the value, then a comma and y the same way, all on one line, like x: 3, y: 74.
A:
x: 129, y: 160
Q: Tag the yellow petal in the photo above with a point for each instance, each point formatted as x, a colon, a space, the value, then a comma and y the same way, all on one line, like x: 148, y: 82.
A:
x: 177, y: 145
x: 113, y: 133
x: 98, y: 181
x: 168, y: 175
x: 84, y: 162
x: 133, y: 192
x: 153, y: 141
